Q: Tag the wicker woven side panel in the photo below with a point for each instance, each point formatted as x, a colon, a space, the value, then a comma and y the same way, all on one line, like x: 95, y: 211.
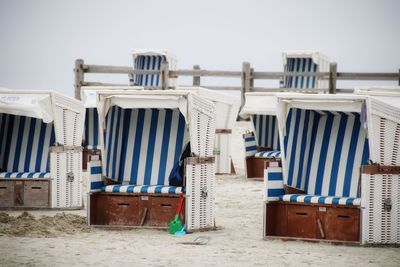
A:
x: 200, y: 197
x: 384, y: 133
x: 380, y: 208
x: 200, y: 176
x: 66, y: 183
x: 68, y: 126
x: 202, y: 126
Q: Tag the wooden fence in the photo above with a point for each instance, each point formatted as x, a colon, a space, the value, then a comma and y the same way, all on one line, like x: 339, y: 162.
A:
x: 247, y: 76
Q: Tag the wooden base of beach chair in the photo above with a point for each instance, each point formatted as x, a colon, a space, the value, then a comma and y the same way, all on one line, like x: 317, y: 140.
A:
x: 24, y: 193
x: 255, y: 166
x: 312, y: 221
x: 135, y: 210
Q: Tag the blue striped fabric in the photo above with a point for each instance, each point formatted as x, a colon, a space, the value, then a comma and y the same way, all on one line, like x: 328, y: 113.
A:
x: 324, y: 151
x: 25, y: 144
x: 266, y: 131
x: 347, y: 201
x: 273, y: 180
x: 91, y: 140
x: 143, y: 189
x: 268, y: 154
x: 24, y: 175
x: 147, y: 62
x: 95, y: 174
x: 300, y: 65
x: 142, y: 145
x: 250, y: 144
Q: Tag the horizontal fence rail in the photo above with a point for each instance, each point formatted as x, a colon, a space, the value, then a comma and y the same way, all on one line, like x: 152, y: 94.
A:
x: 247, y: 76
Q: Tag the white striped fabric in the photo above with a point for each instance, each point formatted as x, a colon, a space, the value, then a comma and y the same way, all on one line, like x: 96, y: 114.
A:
x: 347, y: 201
x: 250, y: 145
x: 324, y: 152
x: 273, y: 183
x: 268, y: 154
x: 300, y: 65
x: 142, y: 145
x: 147, y: 62
x: 25, y: 144
x: 143, y: 189
x: 24, y: 175
x: 91, y: 140
x: 266, y: 131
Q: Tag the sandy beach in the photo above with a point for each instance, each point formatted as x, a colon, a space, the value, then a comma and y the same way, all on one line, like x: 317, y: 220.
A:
x: 65, y: 240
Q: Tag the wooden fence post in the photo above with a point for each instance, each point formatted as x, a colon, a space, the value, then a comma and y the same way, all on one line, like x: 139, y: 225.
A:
x: 79, y: 77
x: 196, y: 79
x: 164, y: 75
x: 399, y: 77
x: 251, y: 79
x: 332, y: 77
x: 246, y: 71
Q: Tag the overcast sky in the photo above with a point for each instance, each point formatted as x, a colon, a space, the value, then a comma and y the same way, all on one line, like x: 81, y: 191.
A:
x: 41, y: 39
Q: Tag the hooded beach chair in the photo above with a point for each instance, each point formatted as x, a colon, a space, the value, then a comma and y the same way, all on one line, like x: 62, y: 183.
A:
x: 261, y: 145
x: 150, y: 59
x: 40, y: 150
x: 143, y: 59
x: 328, y: 141
x: 144, y: 134
x: 227, y: 109
x: 304, y: 61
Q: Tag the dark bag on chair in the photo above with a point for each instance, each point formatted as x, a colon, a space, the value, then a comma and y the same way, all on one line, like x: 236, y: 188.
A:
x: 177, y: 172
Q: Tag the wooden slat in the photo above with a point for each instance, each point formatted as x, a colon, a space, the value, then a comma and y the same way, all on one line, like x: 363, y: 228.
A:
x: 364, y: 76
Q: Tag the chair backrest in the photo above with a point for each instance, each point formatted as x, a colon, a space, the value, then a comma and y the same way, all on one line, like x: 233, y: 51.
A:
x: 250, y: 144
x: 91, y: 129
x: 142, y: 145
x: 25, y: 143
x: 148, y: 62
x: 266, y: 131
x: 324, y: 151
x: 300, y: 65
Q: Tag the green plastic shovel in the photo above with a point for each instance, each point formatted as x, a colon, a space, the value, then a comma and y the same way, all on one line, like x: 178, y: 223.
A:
x: 176, y: 224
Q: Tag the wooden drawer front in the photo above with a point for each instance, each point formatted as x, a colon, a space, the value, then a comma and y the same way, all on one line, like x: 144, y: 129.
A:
x: 121, y: 210
x: 342, y: 224
x: 6, y: 193
x: 162, y: 211
x: 302, y: 221
x: 36, y: 193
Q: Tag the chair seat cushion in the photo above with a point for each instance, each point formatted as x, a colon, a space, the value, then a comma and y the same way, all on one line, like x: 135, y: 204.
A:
x: 24, y: 175
x: 347, y: 201
x: 149, y: 189
x: 268, y: 154
x: 92, y: 147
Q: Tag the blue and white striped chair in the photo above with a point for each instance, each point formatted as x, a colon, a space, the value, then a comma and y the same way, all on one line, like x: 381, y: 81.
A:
x: 25, y: 147
x: 141, y: 148
x: 304, y: 61
x: 266, y: 138
x: 323, y: 154
x: 91, y: 140
x: 147, y: 62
